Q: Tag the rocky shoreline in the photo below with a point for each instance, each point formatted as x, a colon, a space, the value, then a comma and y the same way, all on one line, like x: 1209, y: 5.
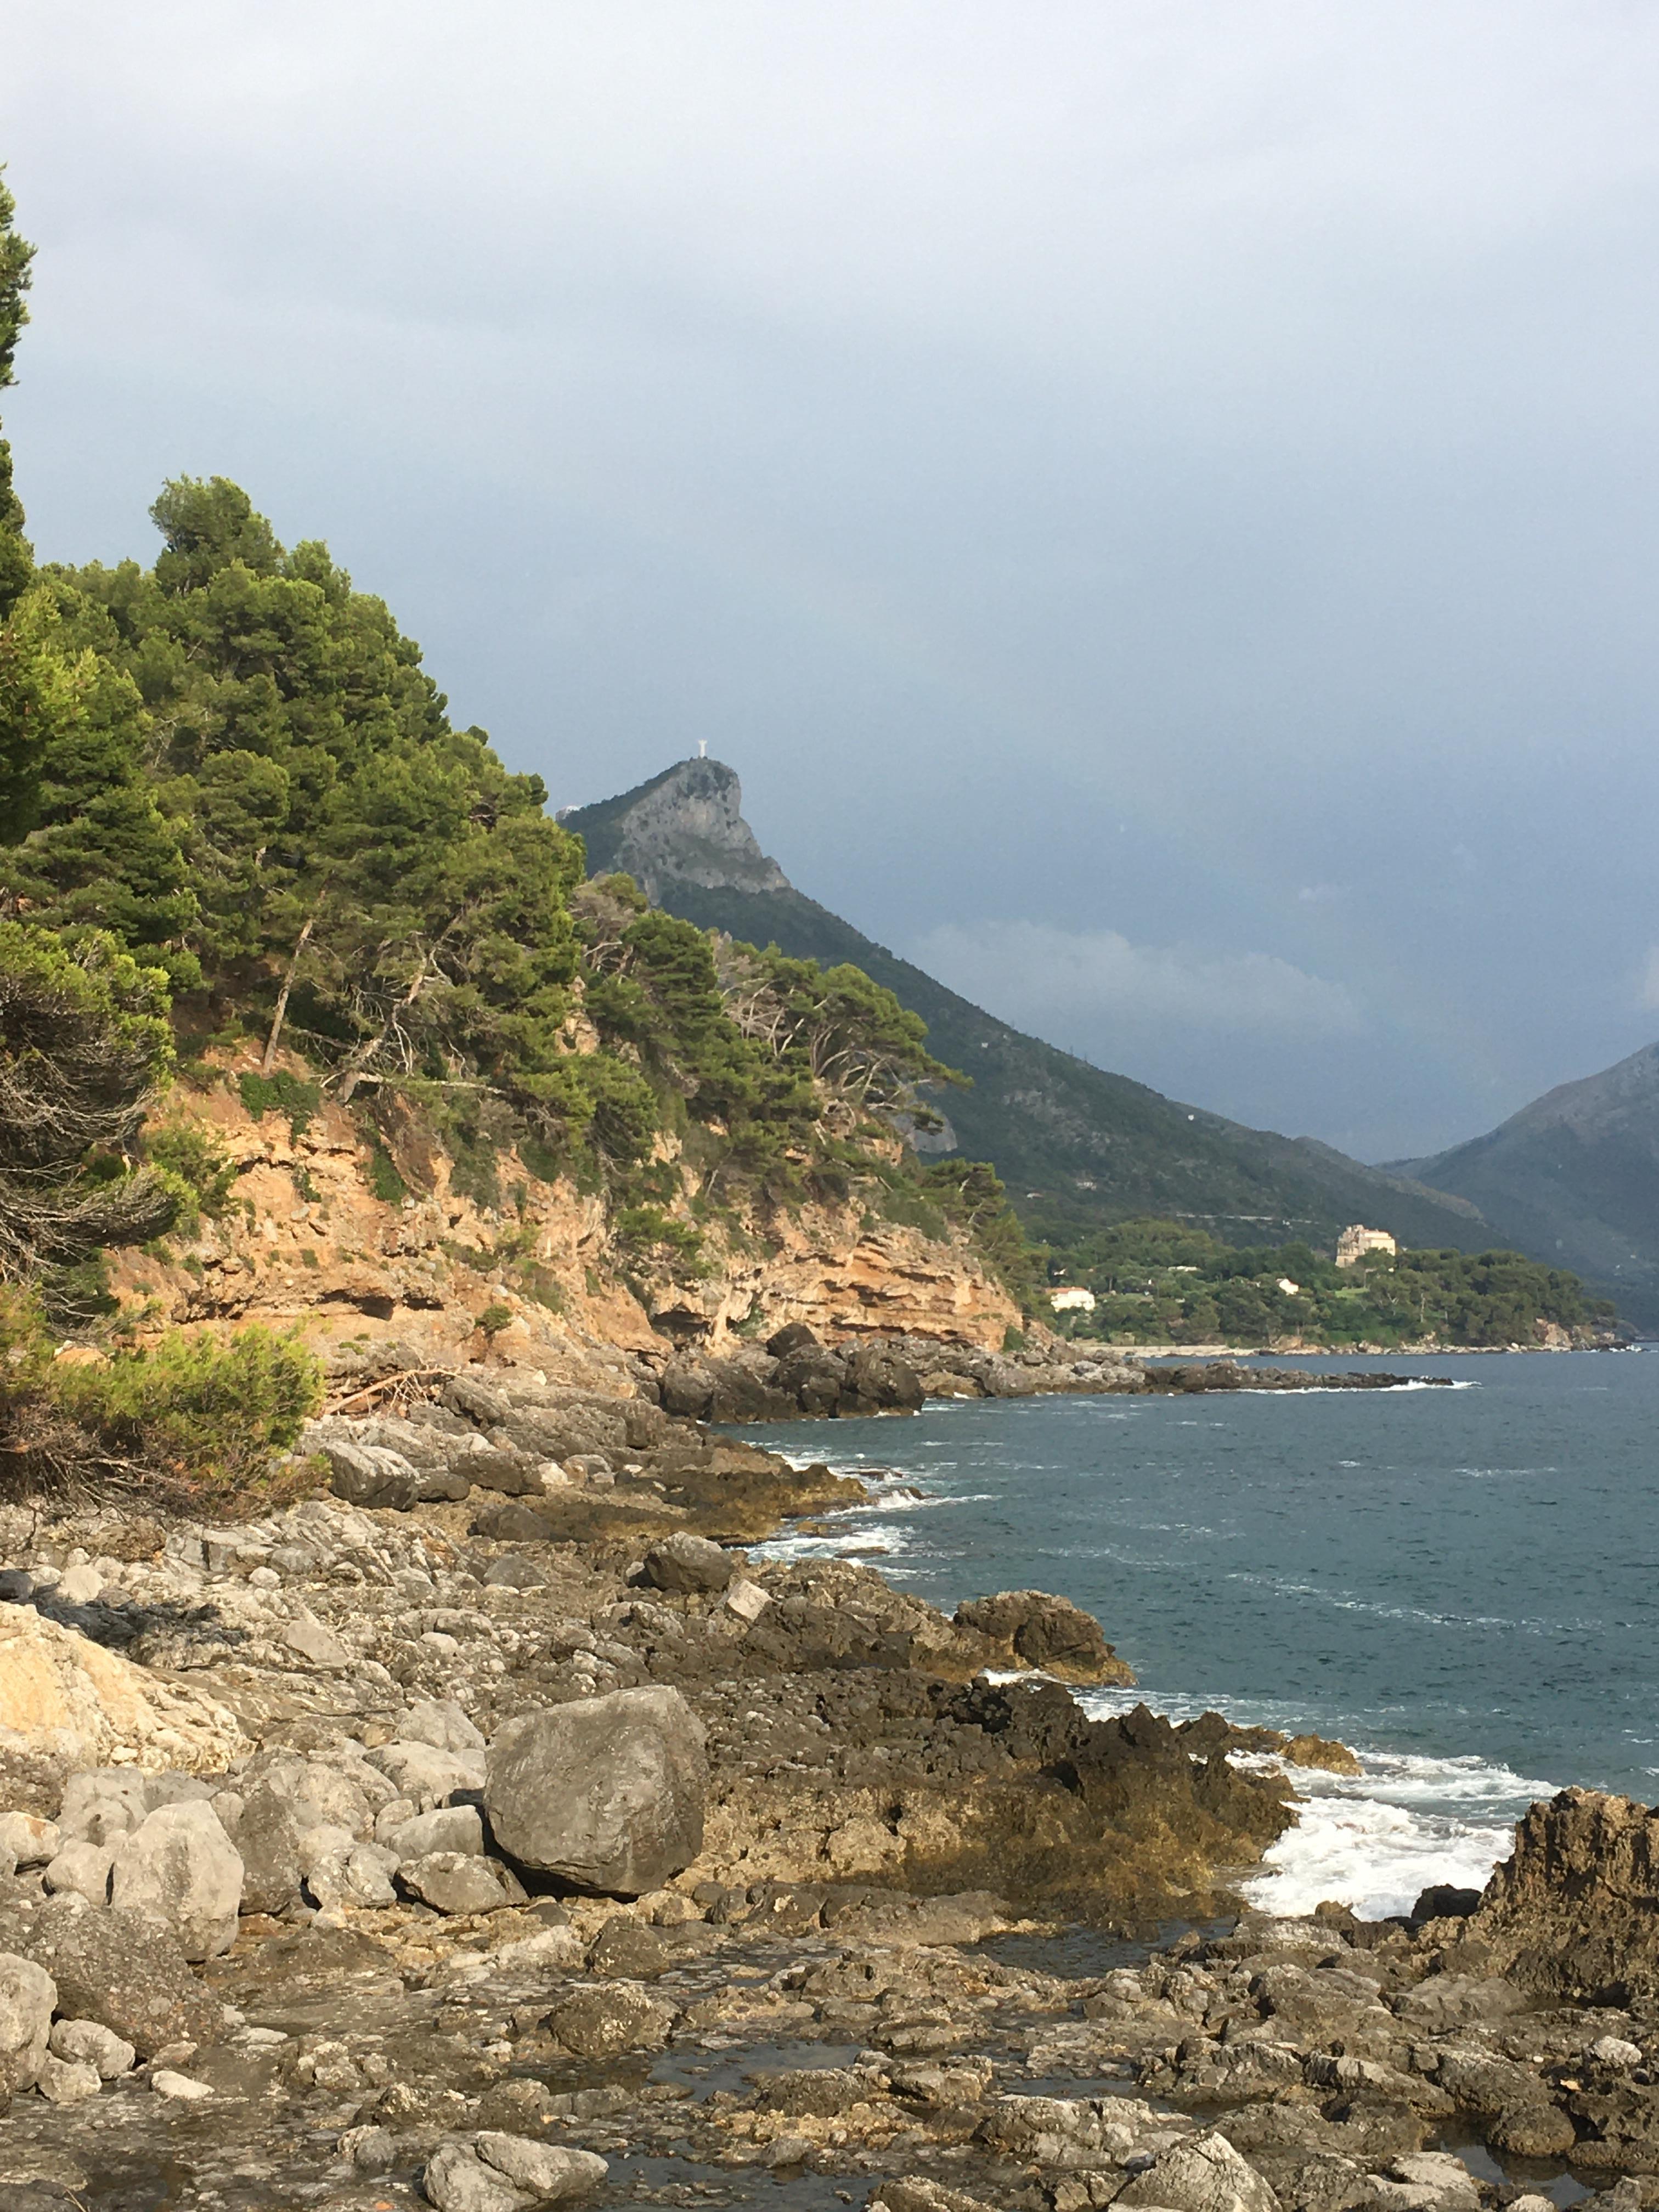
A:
x: 488, y: 1830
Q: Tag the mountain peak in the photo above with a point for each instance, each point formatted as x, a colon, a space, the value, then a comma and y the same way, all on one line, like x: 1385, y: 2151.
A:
x: 684, y: 826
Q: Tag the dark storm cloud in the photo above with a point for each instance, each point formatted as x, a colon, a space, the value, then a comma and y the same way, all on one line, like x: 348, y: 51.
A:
x: 1156, y: 502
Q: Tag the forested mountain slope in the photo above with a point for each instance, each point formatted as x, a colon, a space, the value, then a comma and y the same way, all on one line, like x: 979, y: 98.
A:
x: 1076, y: 1146
x: 1574, y: 1179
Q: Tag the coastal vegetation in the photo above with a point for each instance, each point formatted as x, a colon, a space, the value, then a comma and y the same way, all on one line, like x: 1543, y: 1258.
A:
x: 237, y: 819
x: 1169, y: 1282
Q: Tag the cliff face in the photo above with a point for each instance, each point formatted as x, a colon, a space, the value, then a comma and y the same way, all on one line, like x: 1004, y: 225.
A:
x: 306, y: 1240
x: 684, y: 826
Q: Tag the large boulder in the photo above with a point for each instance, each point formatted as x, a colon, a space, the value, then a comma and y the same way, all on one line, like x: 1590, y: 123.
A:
x: 460, y: 1882
x: 606, y: 1794
x: 368, y: 1475
x: 878, y: 1382
x: 1204, y: 2173
x: 119, y: 1968
x: 1050, y: 1632
x: 28, y: 1997
x: 683, y: 1563
x: 68, y: 1697
x: 181, y: 1867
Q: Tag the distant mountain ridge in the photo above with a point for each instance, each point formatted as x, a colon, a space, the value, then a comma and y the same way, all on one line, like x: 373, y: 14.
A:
x: 1573, y: 1179
x: 1078, y: 1147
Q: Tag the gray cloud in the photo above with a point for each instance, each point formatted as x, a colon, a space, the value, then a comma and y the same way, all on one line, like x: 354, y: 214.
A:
x: 1117, y: 477
x: 1043, y: 978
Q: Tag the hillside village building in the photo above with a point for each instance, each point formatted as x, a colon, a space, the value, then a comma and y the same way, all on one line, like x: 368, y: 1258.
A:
x: 1353, y: 1243
x: 1072, y: 1299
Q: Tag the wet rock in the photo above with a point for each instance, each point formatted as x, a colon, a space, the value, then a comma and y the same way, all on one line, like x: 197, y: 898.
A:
x: 626, y: 1950
x: 1445, y: 1901
x: 457, y: 1883
x: 603, y: 2022
x: 1203, y: 2174
x: 551, y: 2173
x: 370, y: 2149
x: 1323, y: 1752
x: 1050, y: 1632
x: 1534, y: 2129
x: 608, y: 1793
x: 181, y: 1867
x: 117, y: 1968
x: 28, y: 1997
x: 878, y: 1382
x: 684, y: 1563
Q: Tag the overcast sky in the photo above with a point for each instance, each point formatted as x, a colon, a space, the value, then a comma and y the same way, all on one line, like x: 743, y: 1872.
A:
x: 1157, y: 501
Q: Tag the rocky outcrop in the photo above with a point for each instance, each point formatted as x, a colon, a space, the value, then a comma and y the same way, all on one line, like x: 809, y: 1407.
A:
x: 1030, y: 1627
x: 63, y: 1696
x: 1576, y: 1910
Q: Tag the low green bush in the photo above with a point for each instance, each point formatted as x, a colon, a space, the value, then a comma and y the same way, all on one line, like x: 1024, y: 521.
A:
x: 213, y: 1411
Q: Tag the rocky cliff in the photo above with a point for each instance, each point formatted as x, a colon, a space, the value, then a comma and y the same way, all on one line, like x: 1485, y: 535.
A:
x: 352, y: 1230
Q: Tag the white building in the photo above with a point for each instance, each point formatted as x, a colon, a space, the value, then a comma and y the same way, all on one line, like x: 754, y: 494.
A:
x: 1354, y: 1243
x: 1072, y: 1299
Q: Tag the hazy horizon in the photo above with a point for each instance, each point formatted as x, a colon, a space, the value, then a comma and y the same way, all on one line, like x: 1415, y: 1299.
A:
x: 1157, y: 510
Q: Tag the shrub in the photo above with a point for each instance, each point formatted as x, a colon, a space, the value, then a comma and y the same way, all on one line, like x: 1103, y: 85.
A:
x: 201, y: 1172
x: 212, y: 1410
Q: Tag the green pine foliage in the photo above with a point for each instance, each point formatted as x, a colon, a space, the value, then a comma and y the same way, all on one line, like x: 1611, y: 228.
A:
x: 228, y: 784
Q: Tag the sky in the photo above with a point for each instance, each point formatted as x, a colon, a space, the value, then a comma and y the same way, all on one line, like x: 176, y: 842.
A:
x: 1155, y: 498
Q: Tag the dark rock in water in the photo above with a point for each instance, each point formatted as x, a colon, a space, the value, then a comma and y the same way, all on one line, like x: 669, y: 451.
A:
x: 879, y: 1382
x: 603, y: 2022
x: 626, y: 1951
x: 683, y: 1562
x: 121, y: 1969
x: 607, y: 1794
x: 1443, y: 1900
x: 1046, y: 1631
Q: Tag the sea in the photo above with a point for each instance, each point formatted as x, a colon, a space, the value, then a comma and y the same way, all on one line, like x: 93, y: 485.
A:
x: 1461, y: 1582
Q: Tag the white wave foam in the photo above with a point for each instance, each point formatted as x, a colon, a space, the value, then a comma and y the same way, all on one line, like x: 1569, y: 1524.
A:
x: 1373, y: 1856
x: 870, y: 1540
x: 1373, y: 1841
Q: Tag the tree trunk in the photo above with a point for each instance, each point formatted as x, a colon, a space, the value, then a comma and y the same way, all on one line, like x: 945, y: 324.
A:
x: 281, y: 1014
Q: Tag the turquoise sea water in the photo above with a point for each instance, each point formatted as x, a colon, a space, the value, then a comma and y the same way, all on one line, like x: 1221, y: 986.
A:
x: 1462, y: 1584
